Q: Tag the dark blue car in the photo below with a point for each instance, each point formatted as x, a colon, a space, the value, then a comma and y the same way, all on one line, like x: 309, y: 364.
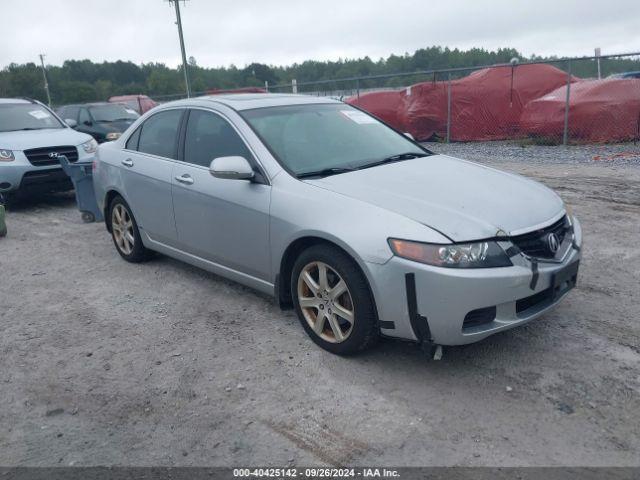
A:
x: 103, y: 121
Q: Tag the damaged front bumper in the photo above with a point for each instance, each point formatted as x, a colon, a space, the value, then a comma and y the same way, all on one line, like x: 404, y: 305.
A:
x: 448, y: 306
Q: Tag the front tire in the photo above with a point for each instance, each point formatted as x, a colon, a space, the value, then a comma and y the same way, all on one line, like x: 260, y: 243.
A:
x: 333, y: 302
x: 125, y: 233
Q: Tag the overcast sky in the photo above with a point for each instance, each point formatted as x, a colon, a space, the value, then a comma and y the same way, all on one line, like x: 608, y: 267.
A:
x: 279, y: 32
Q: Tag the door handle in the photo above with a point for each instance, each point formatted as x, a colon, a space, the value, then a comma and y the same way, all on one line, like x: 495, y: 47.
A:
x: 127, y: 163
x: 186, y: 179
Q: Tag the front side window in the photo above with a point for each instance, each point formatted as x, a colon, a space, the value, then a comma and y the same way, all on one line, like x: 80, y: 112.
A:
x: 71, y: 113
x: 311, y: 138
x: 159, y: 134
x: 26, y: 116
x: 210, y: 136
x: 84, y: 118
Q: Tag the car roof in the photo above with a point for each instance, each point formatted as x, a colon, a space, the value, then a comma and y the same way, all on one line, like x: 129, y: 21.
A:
x: 14, y: 100
x: 248, y: 101
x: 90, y: 104
x: 128, y: 97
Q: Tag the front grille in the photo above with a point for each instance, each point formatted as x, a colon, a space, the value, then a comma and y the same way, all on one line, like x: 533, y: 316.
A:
x: 479, y: 317
x: 40, y: 157
x: 535, y: 302
x: 535, y: 243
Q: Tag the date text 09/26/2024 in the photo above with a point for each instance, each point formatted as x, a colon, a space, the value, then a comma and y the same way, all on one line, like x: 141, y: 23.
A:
x: 292, y: 472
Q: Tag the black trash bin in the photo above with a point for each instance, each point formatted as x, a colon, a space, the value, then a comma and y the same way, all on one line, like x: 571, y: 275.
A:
x: 81, y: 174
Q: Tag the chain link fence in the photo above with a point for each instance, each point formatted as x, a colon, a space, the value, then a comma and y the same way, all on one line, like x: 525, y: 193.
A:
x: 564, y: 101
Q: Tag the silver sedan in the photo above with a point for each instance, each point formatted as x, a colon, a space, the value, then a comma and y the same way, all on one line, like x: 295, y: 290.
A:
x: 360, y: 229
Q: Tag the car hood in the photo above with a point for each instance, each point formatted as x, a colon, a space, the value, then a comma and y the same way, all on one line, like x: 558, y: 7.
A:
x: 50, y: 137
x: 463, y: 200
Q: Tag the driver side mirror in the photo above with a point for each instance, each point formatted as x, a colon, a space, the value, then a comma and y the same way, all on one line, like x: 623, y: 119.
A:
x: 231, y: 168
x: 71, y: 122
x: 88, y: 123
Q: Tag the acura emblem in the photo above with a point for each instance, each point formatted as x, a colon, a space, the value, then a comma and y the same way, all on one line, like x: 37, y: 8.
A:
x: 553, y: 242
x: 53, y: 155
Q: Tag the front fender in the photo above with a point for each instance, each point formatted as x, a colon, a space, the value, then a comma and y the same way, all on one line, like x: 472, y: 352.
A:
x: 299, y: 210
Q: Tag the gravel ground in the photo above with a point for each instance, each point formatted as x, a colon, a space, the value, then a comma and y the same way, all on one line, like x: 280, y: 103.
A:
x: 108, y: 363
x: 618, y: 154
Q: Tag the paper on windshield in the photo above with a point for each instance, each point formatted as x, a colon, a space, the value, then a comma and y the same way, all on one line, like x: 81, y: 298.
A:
x: 39, y: 114
x: 358, y: 117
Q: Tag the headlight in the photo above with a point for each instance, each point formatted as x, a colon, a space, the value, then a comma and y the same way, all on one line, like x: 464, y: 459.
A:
x: 91, y: 146
x: 6, y: 155
x: 461, y: 255
x: 113, y: 136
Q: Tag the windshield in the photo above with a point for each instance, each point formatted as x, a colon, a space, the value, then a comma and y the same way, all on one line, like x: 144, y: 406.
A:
x: 323, y: 137
x: 111, y: 113
x: 26, y: 116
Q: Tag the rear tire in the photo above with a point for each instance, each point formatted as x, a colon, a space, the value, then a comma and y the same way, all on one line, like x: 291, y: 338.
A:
x: 125, y: 233
x: 332, y: 299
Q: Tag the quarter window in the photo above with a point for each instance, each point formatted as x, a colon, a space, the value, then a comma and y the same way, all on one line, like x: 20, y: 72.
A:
x: 132, y: 143
x: 159, y: 134
x: 209, y: 136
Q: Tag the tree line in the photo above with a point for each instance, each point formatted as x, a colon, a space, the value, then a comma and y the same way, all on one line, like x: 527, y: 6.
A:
x: 85, y: 81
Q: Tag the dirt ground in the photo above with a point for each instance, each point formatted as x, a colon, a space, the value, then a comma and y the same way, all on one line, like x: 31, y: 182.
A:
x: 107, y: 363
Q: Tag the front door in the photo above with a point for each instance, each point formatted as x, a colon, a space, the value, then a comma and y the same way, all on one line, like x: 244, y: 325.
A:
x: 223, y: 221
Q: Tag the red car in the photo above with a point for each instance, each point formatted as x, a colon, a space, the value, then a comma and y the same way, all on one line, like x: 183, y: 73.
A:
x: 140, y: 103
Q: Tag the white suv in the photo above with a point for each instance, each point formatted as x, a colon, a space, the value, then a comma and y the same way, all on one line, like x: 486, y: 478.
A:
x: 31, y: 139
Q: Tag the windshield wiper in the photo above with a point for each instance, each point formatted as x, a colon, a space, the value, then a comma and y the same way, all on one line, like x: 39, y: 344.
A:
x: 325, y: 172
x: 394, y: 158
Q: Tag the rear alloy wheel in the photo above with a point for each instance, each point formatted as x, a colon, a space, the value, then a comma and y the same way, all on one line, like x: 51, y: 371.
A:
x: 333, y: 302
x: 124, y: 231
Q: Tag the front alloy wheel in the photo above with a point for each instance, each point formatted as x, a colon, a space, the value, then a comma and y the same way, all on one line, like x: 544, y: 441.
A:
x: 325, y: 302
x: 333, y: 301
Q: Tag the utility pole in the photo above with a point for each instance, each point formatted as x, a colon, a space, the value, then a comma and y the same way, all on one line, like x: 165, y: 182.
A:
x: 184, y: 55
x: 44, y: 75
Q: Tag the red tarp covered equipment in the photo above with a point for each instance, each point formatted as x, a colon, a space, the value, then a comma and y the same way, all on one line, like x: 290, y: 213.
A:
x: 485, y: 105
x: 599, y: 111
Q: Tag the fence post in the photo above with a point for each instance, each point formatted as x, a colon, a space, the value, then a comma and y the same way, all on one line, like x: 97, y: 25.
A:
x: 449, y: 109
x: 294, y: 86
x: 565, y: 136
x: 266, y: 86
x: 358, y: 87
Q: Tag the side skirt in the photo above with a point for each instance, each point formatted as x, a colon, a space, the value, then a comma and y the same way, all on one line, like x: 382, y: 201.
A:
x: 226, y: 272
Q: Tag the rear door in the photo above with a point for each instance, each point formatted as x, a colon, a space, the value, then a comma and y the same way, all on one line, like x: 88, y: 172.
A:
x: 146, y: 166
x: 224, y: 221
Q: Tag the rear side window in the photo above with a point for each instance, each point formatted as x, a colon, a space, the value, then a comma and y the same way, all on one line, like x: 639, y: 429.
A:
x: 160, y: 133
x: 210, y: 136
